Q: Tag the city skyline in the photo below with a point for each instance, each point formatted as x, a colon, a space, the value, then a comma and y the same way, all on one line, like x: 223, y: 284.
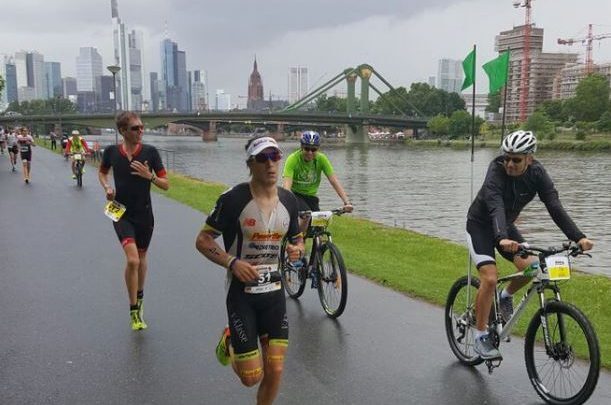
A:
x: 316, y: 40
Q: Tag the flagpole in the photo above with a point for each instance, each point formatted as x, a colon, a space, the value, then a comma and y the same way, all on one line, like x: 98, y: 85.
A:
x: 472, y: 163
x: 505, y: 99
x: 473, y: 119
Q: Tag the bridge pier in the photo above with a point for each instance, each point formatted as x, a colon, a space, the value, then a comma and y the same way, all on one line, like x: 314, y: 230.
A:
x: 356, y: 133
x: 209, y: 132
x: 278, y: 133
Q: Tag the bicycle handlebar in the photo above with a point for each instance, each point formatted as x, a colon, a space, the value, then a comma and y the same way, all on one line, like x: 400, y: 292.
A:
x: 573, y: 248
x: 337, y: 211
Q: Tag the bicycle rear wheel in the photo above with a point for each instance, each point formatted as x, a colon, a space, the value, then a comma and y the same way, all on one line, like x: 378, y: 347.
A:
x: 332, y: 280
x: 293, y: 279
x: 556, y: 372
x: 460, y: 320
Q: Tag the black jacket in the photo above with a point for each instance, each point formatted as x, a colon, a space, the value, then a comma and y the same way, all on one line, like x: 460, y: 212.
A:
x: 502, y: 198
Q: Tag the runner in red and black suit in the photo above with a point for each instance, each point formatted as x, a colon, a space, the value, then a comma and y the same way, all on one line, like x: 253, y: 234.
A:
x: 135, y: 167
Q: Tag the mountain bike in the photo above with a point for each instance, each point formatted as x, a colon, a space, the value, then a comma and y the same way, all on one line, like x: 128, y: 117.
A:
x: 325, y: 268
x: 79, y: 163
x: 560, y: 346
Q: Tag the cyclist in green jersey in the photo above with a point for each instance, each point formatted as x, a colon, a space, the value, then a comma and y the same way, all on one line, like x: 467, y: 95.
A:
x: 76, y: 144
x: 302, y: 175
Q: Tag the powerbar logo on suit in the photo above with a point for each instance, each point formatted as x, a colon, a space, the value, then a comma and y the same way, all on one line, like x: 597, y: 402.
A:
x: 259, y: 236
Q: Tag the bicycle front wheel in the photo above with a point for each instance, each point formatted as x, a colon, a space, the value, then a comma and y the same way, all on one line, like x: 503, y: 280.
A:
x: 460, y: 320
x: 293, y: 279
x: 332, y: 280
x: 566, y: 372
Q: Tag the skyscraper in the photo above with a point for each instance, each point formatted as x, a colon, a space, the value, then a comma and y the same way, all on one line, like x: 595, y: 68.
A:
x: 450, y: 75
x: 128, y: 56
x: 31, y: 73
x: 255, y: 89
x: 223, y: 100
x: 298, y: 83
x: 174, y: 76
x: 53, y: 79
x: 9, y: 73
x: 199, y: 101
x: 89, y: 67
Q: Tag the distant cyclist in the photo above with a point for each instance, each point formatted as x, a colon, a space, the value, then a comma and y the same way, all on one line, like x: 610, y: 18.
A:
x: 76, y: 144
x: 253, y: 218
x: 302, y: 175
x: 512, y: 181
x: 135, y: 166
x: 25, y: 143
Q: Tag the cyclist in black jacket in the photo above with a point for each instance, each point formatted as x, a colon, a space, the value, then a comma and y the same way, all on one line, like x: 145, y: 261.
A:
x: 511, y: 182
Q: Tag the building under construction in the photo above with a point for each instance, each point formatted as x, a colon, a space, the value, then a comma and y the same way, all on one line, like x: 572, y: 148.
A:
x: 567, y: 79
x: 540, y: 73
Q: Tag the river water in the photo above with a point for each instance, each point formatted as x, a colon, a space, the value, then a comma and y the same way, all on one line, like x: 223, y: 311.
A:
x: 427, y: 190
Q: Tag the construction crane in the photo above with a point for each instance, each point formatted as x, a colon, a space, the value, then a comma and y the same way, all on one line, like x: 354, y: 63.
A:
x: 527, y: 4
x: 588, y: 41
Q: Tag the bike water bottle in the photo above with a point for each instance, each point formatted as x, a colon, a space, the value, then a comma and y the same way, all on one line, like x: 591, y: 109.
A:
x: 532, y: 270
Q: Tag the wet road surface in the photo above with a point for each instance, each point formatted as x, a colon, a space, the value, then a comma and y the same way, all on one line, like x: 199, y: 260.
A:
x: 65, y: 336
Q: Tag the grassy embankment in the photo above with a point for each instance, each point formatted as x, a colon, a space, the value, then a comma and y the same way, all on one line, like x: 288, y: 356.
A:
x: 417, y: 265
x: 564, y: 141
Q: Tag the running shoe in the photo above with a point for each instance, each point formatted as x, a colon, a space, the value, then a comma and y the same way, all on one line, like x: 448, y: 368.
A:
x: 73, y: 176
x: 135, y: 320
x: 222, y: 348
x: 486, y: 350
x: 140, y: 303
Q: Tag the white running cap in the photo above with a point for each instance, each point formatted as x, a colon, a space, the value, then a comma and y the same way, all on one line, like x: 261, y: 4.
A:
x: 261, y: 144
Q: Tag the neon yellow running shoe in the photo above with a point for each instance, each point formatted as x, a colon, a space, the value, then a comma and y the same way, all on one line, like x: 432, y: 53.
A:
x: 222, y: 348
x: 140, y: 303
x: 135, y: 320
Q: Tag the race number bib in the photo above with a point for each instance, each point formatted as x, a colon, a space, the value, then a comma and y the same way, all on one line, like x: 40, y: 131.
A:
x: 114, y: 210
x: 268, y: 281
x: 78, y: 156
x: 321, y: 218
x: 558, y: 267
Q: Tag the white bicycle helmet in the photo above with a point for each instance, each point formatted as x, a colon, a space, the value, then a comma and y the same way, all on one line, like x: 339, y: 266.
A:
x: 520, y: 142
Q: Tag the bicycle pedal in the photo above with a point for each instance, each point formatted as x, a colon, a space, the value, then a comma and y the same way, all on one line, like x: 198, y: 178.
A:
x: 492, y: 364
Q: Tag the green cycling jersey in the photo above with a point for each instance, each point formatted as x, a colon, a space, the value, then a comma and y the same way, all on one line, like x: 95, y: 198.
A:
x: 306, y: 175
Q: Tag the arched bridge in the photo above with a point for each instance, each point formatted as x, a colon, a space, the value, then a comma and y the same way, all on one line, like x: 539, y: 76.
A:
x: 207, y: 121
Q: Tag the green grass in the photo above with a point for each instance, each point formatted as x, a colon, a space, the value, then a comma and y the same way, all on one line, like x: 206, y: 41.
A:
x: 418, y: 265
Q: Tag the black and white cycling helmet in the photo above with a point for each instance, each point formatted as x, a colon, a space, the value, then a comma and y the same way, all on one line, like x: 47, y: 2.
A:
x: 520, y: 142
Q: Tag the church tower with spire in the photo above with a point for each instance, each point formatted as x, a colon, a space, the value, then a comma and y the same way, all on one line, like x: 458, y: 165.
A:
x: 255, y: 89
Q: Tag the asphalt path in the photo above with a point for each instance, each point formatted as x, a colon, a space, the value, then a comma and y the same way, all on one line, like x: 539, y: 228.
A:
x: 65, y: 335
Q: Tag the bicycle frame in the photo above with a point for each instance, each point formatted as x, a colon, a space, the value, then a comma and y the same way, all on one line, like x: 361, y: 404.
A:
x: 536, y: 288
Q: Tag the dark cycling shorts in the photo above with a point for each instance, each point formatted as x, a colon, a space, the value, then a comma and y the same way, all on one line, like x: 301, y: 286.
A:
x: 254, y: 315
x: 26, y: 156
x: 307, y: 202
x: 480, y: 238
x: 135, y: 229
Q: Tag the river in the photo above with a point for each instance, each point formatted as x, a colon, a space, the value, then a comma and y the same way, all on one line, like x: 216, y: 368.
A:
x: 427, y: 190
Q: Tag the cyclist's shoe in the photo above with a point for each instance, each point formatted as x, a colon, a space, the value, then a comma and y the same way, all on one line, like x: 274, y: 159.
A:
x: 136, y: 322
x: 222, y: 348
x: 73, y: 176
x: 486, y: 350
x: 506, y: 306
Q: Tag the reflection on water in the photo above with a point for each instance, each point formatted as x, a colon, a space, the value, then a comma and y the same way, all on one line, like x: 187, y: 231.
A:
x: 428, y: 190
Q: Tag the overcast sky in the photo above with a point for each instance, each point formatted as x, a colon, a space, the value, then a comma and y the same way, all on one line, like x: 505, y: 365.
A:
x: 401, y: 39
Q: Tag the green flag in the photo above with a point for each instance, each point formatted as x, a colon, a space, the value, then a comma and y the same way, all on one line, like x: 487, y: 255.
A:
x: 496, y: 69
x: 468, y: 66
